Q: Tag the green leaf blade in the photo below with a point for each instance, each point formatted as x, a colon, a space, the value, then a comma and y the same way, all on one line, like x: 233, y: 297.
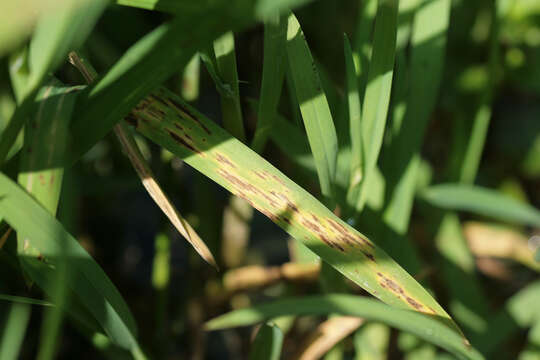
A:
x: 87, y: 279
x: 173, y: 124
x: 314, y: 107
x: 481, y: 201
x: 425, y: 326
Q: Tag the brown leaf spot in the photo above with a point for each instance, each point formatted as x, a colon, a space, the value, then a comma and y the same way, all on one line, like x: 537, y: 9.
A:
x: 415, y: 304
x: 224, y: 160
x: 311, y: 225
x: 189, y: 114
x: 131, y: 120
x: 183, y: 142
x: 369, y: 256
x: 258, y: 174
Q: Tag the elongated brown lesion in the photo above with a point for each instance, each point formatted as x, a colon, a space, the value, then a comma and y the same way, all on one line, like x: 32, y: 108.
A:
x: 180, y: 140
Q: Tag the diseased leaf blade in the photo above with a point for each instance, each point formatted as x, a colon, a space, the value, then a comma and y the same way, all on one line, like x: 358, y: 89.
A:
x: 173, y: 124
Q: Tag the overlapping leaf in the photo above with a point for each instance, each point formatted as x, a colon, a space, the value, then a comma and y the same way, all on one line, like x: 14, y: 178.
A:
x: 168, y: 121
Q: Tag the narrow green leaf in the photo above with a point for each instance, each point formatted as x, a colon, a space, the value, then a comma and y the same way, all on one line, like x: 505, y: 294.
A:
x: 314, y: 107
x: 41, y: 174
x: 145, y: 65
x: 173, y: 124
x: 14, y: 330
x: 149, y: 181
x: 24, y: 300
x: 481, y: 201
x: 56, y: 33
x: 267, y: 343
x: 422, y: 325
x: 362, y: 48
x: 371, y: 342
x: 231, y: 110
x: 190, y: 79
x: 45, y: 143
x: 87, y: 279
x: 428, y: 45
x: 355, y: 125
x: 274, y: 58
x: 262, y: 9
x: 59, y: 31
x: 377, y: 96
x: 266, y: 8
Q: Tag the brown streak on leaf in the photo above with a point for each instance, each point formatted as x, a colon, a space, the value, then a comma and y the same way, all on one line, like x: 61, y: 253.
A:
x: 224, y: 160
x: 183, y: 142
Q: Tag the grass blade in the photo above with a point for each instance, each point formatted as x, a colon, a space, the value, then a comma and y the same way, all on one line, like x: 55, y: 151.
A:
x: 226, y: 66
x: 422, y: 325
x: 355, y: 125
x: 313, y: 106
x: 362, y: 42
x: 371, y: 342
x: 146, y: 175
x: 96, y: 291
x: 262, y: 9
x: 275, y: 32
x: 377, y: 96
x: 41, y: 175
x: 14, y: 329
x: 56, y: 32
x: 267, y: 344
x: 170, y: 122
x: 481, y: 201
x: 426, y: 66
x: 24, y: 300
x: 190, y: 80
x: 145, y: 65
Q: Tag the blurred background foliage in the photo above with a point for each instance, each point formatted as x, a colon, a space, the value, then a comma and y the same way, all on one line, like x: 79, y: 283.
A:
x: 172, y: 292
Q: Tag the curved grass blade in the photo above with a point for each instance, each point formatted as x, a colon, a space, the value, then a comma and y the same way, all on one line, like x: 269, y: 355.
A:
x: 145, y: 65
x: 275, y: 32
x: 267, y: 344
x: 173, y: 124
x: 41, y: 175
x: 57, y: 31
x: 98, y: 294
x: 425, y: 326
x: 378, y: 88
x: 313, y: 106
x: 146, y: 175
x: 481, y: 201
